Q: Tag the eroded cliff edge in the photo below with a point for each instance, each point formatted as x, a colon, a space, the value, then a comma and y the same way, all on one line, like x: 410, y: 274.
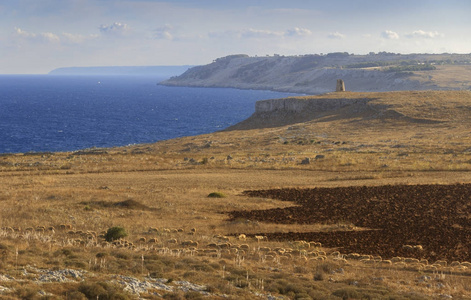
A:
x: 355, y: 108
x: 317, y: 74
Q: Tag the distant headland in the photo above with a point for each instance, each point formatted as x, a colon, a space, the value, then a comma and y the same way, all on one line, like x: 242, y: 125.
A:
x: 158, y: 71
x: 318, y: 73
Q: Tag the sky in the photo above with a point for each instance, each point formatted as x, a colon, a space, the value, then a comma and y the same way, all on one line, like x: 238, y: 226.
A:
x: 37, y: 36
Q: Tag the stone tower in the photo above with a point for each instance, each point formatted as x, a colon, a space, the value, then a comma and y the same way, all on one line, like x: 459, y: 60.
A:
x: 340, y: 86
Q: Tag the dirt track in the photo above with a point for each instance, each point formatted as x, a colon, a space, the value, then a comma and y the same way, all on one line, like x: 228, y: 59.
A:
x: 438, y: 217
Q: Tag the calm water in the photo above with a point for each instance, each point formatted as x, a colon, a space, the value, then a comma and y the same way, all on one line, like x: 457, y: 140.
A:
x: 64, y: 113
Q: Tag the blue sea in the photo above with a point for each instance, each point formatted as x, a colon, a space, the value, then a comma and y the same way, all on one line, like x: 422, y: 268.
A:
x: 42, y: 113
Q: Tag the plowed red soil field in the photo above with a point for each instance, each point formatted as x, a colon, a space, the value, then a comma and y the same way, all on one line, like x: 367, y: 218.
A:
x: 437, y: 217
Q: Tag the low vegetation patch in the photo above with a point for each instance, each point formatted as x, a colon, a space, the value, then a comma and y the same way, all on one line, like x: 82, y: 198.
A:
x: 115, y: 233
x: 129, y: 204
x: 216, y: 195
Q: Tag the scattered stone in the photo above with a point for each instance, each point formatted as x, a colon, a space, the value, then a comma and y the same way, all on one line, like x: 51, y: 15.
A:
x: 319, y: 156
x: 186, y: 286
x: 424, y: 278
x: 4, y: 290
x: 229, y: 157
x: 61, y: 275
x: 6, y: 278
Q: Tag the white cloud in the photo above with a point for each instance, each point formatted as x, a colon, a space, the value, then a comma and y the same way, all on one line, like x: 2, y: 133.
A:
x: 43, y: 37
x: 336, y: 35
x: 296, y: 31
x: 424, y: 34
x: 116, y: 29
x: 259, y: 33
x: 164, y: 33
x: 77, y: 38
x: 252, y: 33
x: 390, y: 35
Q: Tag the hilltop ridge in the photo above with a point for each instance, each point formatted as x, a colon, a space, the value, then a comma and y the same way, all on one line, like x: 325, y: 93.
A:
x: 317, y: 74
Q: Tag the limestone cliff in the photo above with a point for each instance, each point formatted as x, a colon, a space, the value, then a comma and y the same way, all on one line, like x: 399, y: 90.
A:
x: 317, y: 74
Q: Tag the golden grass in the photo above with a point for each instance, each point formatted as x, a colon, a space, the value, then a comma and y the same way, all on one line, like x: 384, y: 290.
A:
x: 172, y: 179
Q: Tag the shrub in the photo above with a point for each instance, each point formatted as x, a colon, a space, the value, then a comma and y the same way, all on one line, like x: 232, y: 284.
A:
x: 101, y: 290
x: 76, y: 295
x: 216, y: 195
x: 115, y: 233
x: 347, y: 293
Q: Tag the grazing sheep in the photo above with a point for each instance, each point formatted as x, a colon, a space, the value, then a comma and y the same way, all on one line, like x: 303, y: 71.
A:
x: 142, y: 240
x: 223, y: 238
x: 455, y: 264
x: 234, y: 250
x: 189, y: 243
x: 153, y: 230
x: 353, y: 256
x: 172, y: 241
x: 411, y: 260
x: 152, y: 240
x: 377, y: 258
x: 268, y: 258
x: 408, y: 247
x: 315, y: 245
x: 260, y: 238
x: 242, y: 237
x: 9, y: 229
x: 284, y: 259
x: 212, y: 245
x: 397, y: 259
x: 367, y: 261
x: 193, y: 230
x: 418, y: 247
x: 264, y: 249
x: 335, y: 253
x: 340, y: 259
x: 226, y: 253
x: 279, y: 250
x: 245, y: 247
x: 442, y: 263
x: 386, y: 262
x: 210, y: 251
x: 466, y: 264
x: 65, y: 226
x: 224, y: 245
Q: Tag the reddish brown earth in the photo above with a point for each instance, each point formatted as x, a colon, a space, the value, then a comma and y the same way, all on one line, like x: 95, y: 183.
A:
x: 438, y: 217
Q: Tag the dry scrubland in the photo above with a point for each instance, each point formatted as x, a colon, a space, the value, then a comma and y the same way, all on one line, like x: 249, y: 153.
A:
x: 182, y: 244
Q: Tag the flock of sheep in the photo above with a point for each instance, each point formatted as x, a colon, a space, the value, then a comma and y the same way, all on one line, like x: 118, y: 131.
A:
x: 240, y: 248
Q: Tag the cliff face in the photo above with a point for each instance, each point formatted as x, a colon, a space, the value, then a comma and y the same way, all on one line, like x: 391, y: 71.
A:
x: 403, y: 107
x: 317, y: 74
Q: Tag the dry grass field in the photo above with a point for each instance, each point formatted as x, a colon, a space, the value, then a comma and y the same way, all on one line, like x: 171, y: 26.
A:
x: 57, y: 208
